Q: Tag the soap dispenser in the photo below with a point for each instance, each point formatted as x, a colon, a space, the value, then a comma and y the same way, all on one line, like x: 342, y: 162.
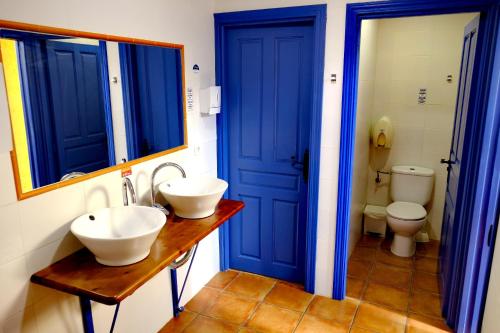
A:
x: 382, y: 133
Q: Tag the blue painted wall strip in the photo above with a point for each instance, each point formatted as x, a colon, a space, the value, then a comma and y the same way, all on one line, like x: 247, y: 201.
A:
x: 317, y: 14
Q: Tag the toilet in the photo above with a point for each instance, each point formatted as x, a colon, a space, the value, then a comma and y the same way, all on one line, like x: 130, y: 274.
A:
x: 411, y: 188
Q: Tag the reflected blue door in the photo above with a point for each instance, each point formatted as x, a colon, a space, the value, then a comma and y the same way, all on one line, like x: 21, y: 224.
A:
x: 454, y: 231
x: 77, y: 106
x: 268, y: 86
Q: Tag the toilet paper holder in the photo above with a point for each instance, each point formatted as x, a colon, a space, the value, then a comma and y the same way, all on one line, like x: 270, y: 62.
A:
x: 378, y: 180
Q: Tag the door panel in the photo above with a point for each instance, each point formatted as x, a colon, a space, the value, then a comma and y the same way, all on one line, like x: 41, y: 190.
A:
x: 269, y: 71
x: 78, y: 107
x: 454, y: 232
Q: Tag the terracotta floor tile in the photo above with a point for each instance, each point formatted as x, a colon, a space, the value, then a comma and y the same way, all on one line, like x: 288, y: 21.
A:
x: 422, y: 324
x: 269, y: 318
x: 288, y: 297
x: 232, y: 308
x: 177, y: 325
x: 379, y: 319
x: 204, y: 324
x: 355, y: 287
x: 313, y: 324
x: 429, y: 265
x: 425, y: 303
x: 425, y: 281
x: 358, y: 269
x: 386, y: 244
x: 203, y: 300
x: 392, y: 276
x: 222, y: 279
x: 363, y: 253
x: 429, y: 249
x: 370, y: 241
x: 388, y: 258
x: 357, y: 329
x: 292, y: 284
x: 246, y: 330
x: 387, y: 296
x: 327, y: 308
x: 252, y: 286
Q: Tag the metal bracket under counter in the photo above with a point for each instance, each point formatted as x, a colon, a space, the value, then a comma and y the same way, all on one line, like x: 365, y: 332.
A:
x: 79, y: 274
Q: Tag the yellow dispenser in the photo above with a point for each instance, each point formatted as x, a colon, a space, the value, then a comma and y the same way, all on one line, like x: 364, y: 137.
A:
x: 382, y: 133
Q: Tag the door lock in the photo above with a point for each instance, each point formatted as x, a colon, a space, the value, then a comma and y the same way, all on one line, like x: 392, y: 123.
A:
x: 304, y: 165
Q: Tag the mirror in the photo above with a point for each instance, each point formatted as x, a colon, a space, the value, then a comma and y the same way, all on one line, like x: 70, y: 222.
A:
x: 79, y: 105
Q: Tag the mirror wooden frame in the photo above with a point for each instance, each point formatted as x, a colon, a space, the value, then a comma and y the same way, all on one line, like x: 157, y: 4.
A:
x: 109, y: 38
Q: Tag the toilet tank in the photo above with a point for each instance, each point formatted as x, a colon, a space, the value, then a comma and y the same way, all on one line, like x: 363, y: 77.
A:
x: 411, y: 184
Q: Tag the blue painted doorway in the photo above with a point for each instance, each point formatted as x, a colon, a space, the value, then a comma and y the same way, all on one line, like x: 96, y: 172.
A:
x: 475, y: 236
x: 80, y: 134
x: 269, y: 97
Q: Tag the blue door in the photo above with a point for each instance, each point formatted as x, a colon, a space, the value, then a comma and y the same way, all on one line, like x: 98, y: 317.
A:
x: 454, y: 234
x: 268, y: 85
x: 77, y: 107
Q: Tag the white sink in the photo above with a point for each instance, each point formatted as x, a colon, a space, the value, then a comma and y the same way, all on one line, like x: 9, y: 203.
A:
x: 119, y: 236
x: 193, y: 197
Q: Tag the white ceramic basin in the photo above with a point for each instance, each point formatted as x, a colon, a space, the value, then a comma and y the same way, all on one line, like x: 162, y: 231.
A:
x: 119, y: 236
x: 193, y: 197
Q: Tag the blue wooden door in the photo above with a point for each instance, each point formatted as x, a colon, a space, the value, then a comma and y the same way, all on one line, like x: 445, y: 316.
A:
x: 77, y: 106
x: 268, y: 85
x: 454, y: 232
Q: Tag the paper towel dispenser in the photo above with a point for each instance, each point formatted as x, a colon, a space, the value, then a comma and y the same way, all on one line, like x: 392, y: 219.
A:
x: 382, y: 133
x: 210, y: 100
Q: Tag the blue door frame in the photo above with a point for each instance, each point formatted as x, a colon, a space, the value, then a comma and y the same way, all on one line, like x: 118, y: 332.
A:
x: 485, y: 127
x: 317, y: 15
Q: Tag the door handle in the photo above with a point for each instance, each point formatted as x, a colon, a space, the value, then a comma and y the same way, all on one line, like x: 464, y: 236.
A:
x: 449, y: 162
x: 304, y: 165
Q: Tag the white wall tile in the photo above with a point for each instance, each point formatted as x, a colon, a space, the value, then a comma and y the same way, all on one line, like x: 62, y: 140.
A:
x: 47, y: 218
x: 14, y: 288
x: 22, y: 322
x: 8, y: 193
x: 11, y: 243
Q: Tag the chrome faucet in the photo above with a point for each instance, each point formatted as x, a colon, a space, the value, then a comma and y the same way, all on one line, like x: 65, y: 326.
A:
x: 153, y: 191
x: 127, y: 186
x: 72, y: 175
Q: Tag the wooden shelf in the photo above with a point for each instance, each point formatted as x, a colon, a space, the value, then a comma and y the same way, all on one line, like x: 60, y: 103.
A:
x: 80, y: 274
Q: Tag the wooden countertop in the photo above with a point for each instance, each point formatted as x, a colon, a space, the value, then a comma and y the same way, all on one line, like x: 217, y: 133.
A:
x: 80, y: 274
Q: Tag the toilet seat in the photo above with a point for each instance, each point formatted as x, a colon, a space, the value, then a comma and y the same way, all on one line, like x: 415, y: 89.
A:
x: 407, y: 211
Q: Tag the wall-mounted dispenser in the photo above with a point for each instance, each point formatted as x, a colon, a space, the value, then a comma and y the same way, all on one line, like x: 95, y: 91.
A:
x: 382, y: 133
x: 210, y: 100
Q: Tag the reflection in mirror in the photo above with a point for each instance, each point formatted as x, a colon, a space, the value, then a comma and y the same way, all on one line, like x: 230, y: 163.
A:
x: 78, y: 105
x: 152, y: 81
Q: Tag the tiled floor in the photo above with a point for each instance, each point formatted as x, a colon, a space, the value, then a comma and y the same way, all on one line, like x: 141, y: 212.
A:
x: 385, y: 294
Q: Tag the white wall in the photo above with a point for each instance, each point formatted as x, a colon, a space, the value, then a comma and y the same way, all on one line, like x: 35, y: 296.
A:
x: 367, y: 58
x: 116, y: 98
x: 414, y: 53
x: 35, y: 232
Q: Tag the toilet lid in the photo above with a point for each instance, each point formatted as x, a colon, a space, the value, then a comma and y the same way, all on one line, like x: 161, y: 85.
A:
x: 406, y: 210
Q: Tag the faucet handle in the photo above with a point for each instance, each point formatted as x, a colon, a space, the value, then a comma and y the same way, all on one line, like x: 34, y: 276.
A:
x: 160, y: 207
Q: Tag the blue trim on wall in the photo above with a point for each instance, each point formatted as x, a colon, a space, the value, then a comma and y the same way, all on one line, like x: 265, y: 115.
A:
x: 317, y: 15
x: 103, y: 54
x: 399, y: 8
